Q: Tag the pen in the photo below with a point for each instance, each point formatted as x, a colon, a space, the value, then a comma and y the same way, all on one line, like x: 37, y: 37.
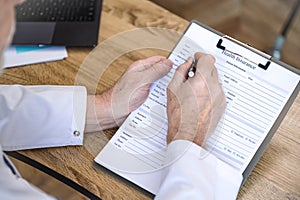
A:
x: 192, y: 69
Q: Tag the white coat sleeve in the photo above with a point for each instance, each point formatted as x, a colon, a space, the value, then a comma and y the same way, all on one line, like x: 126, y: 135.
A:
x: 194, y: 173
x: 41, y: 116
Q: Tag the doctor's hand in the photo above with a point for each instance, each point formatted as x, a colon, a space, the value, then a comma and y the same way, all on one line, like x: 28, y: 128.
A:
x: 131, y: 90
x: 194, y: 105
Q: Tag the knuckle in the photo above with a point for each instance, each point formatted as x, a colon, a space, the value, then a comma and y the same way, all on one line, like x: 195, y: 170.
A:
x: 182, y: 67
x: 209, y: 58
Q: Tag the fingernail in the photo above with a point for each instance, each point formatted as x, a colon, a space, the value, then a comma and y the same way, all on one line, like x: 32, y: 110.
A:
x: 168, y: 62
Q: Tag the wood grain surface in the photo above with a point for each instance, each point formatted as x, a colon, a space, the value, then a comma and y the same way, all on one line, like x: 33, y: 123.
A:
x: 276, y: 176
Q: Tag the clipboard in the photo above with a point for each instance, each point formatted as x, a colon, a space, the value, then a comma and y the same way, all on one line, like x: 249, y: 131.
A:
x: 239, y: 65
x: 263, y: 65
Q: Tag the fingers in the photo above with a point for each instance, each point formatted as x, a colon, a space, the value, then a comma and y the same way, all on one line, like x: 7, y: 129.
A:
x: 150, y: 69
x: 208, y: 72
x: 158, y: 70
x: 144, y: 64
x: 205, y: 64
x: 151, y: 60
x: 182, y: 70
x: 180, y: 75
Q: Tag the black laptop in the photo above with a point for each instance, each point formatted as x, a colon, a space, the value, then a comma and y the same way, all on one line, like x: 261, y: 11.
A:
x: 58, y: 22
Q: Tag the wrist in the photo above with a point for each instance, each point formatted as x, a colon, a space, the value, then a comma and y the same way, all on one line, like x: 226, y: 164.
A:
x: 189, y: 134
x: 99, y: 113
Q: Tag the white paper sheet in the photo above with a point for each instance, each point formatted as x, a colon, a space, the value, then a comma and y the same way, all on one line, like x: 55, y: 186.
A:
x: 255, y: 98
x: 23, y: 55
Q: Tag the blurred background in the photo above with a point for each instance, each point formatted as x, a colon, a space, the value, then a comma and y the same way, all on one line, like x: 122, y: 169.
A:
x: 255, y: 22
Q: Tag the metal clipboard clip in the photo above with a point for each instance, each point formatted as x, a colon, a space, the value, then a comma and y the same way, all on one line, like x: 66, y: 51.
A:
x: 263, y: 66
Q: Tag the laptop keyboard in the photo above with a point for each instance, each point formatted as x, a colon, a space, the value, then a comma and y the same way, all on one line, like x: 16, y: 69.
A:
x: 56, y: 10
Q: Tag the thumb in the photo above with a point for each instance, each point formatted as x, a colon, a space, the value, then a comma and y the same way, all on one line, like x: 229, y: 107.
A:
x: 158, y: 70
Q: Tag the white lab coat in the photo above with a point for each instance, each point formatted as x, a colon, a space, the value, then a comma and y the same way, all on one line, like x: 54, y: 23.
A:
x: 36, y: 117
x: 194, y: 173
x: 44, y: 116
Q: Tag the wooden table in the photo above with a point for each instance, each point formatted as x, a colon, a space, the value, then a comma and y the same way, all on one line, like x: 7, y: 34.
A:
x: 276, y: 176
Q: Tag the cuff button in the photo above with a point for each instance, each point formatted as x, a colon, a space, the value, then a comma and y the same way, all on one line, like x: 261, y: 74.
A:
x: 76, y: 133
